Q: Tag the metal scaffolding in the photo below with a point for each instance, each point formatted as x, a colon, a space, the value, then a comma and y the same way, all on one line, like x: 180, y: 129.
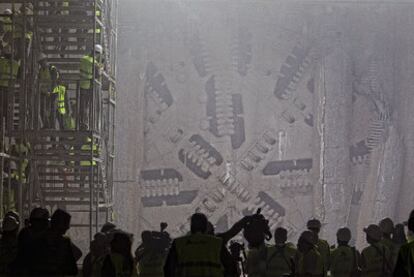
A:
x: 70, y: 153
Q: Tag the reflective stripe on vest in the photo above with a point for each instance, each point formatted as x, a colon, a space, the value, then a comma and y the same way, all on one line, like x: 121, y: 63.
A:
x: 8, y: 71
x: 61, y: 92
x: 193, y: 262
x: 86, y: 71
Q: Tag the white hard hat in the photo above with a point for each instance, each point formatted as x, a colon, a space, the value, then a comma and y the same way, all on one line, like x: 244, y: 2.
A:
x: 8, y: 11
x: 98, y: 48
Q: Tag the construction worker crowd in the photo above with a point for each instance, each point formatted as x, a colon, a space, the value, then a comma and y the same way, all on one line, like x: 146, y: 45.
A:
x: 42, y: 248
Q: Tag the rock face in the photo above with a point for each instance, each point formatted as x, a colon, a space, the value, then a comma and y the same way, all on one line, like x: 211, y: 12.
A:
x: 298, y: 109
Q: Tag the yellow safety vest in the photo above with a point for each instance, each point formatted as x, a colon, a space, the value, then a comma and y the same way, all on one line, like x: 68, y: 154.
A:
x: 151, y: 265
x: 69, y: 122
x: 325, y: 251
x: 86, y: 72
x: 61, y: 94
x: 18, y: 28
x: 65, y: 11
x: 279, y: 260
x: 23, y: 150
x: 394, y: 249
x: 376, y: 260
x: 344, y: 261
x: 7, y: 23
x: 193, y: 262
x: 8, y: 71
x: 87, y: 147
x: 309, y: 263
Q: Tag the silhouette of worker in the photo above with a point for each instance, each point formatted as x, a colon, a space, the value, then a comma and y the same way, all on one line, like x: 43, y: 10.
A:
x: 53, y: 253
x: 38, y: 224
x: 197, y: 254
x: 120, y: 261
x: 405, y: 261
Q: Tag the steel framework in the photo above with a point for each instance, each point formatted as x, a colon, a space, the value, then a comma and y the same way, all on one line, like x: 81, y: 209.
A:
x: 70, y: 168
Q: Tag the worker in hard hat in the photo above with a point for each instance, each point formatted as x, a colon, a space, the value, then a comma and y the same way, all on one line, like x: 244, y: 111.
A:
x: 48, y: 77
x: 5, y: 24
x: 280, y: 257
x: 322, y: 245
x: 344, y: 259
x: 405, y: 261
x: 376, y: 258
x: 23, y: 30
x: 387, y: 228
x: 308, y: 261
x: 9, y: 68
x: 90, y: 64
x: 8, y: 243
x: 10, y: 186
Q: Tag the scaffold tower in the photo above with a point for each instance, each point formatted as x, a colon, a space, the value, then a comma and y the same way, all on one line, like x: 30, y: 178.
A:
x: 57, y: 136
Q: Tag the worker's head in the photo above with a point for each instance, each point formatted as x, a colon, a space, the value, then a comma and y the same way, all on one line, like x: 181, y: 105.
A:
x: 280, y: 235
x: 146, y: 237
x: 107, y: 227
x: 343, y: 236
x: 387, y: 226
x: 121, y: 243
x: 307, y: 240
x: 43, y: 60
x: 39, y: 218
x: 98, y: 50
x: 7, y: 12
x: 98, y: 244
x: 199, y: 223
x: 13, y: 214
x: 314, y: 225
x: 398, y: 236
x: 60, y: 221
x: 373, y: 233
x: 10, y: 225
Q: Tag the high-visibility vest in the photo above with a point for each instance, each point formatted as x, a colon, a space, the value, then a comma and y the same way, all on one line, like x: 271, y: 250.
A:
x: 7, y: 23
x: 376, y: 260
x: 87, y: 147
x: 325, y: 251
x: 8, y: 71
x: 68, y: 122
x: 151, y: 265
x: 23, y: 150
x: 307, y: 263
x: 65, y: 11
x: 120, y: 270
x: 394, y: 249
x: 18, y: 28
x: 199, y: 255
x: 279, y: 260
x: 86, y: 71
x: 344, y: 261
x: 61, y: 94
